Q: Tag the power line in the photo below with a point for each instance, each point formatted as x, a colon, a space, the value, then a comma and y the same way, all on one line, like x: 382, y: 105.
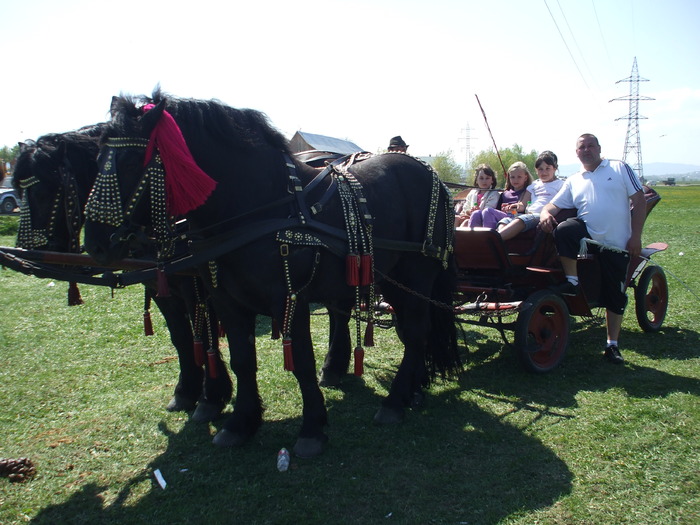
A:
x: 573, y: 37
x: 566, y: 45
x: 602, y: 35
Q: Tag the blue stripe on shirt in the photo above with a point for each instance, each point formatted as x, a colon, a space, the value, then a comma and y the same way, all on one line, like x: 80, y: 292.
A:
x: 633, y: 177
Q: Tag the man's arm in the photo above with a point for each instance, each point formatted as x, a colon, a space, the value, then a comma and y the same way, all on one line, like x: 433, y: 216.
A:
x: 639, y: 215
x: 547, y: 220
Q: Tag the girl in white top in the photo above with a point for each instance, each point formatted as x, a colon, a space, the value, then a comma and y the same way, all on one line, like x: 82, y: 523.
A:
x: 540, y: 192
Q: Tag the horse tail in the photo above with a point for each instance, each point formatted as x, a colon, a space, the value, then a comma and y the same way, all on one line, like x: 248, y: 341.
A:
x: 442, y: 354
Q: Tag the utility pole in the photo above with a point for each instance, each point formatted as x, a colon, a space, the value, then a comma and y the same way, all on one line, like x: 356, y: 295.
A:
x: 467, y: 148
x: 632, y: 141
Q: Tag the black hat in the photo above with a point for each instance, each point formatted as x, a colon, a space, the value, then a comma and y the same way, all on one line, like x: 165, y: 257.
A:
x: 397, y: 141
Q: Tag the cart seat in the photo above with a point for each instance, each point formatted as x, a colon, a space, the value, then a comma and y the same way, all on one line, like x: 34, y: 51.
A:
x: 480, y: 248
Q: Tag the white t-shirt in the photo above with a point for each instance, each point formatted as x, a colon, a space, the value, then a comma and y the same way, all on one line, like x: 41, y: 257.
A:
x: 601, y: 199
x: 541, y: 193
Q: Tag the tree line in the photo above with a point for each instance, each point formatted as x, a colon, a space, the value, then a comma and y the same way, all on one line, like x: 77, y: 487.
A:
x: 449, y: 171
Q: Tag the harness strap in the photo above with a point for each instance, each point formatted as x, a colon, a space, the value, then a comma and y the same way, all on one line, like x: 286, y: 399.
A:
x: 49, y: 272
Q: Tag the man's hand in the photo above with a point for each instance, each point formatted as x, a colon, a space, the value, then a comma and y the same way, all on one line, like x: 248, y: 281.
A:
x: 547, y: 222
x: 634, y: 246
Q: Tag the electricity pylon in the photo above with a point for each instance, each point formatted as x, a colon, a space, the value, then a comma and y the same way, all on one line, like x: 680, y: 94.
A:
x: 632, y: 141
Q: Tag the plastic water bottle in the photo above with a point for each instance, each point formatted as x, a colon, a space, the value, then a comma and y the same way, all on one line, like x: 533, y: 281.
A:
x: 283, y: 460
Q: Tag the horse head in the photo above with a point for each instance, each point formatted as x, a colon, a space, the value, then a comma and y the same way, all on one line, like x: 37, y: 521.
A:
x: 133, y: 199
x: 53, y: 177
x: 118, y: 206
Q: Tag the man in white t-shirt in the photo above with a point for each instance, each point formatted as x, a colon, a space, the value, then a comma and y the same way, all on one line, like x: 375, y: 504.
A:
x: 601, y: 193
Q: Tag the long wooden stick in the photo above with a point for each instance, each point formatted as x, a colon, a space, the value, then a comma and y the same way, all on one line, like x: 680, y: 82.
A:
x: 505, y: 174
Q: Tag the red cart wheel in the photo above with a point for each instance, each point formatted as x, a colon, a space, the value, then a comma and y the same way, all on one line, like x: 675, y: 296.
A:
x: 542, y: 331
x: 651, y: 298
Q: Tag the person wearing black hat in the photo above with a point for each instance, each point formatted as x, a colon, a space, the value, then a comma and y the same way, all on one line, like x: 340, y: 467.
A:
x: 397, y: 144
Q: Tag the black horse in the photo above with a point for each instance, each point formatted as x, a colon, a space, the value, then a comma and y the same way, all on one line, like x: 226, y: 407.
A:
x: 54, y: 176
x: 276, y: 235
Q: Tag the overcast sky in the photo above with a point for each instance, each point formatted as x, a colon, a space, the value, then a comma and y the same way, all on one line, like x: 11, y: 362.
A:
x: 366, y: 70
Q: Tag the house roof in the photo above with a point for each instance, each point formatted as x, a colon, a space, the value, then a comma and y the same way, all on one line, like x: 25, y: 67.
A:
x: 324, y: 143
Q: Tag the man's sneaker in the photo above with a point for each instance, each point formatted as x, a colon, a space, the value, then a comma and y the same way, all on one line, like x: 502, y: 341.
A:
x: 566, y: 288
x: 612, y: 354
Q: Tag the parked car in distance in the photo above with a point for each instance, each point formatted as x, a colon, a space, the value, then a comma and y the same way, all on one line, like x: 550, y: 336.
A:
x: 8, y: 197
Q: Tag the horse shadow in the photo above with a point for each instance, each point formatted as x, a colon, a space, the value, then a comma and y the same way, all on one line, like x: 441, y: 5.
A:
x: 478, y: 469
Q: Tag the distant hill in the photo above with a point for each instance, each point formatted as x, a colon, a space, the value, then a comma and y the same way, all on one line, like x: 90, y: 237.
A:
x: 653, y: 169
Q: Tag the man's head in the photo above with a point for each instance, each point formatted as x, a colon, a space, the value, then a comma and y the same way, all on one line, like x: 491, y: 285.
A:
x: 397, y: 144
x: 588, y: 151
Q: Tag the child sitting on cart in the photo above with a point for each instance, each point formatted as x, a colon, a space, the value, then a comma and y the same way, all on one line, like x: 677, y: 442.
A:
x: 481, y: 197
x: 538, y: 194
x: 513, y: 199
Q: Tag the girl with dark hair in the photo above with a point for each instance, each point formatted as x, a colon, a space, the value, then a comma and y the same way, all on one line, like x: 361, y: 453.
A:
x: 482, y: 196
x: 538, y: 194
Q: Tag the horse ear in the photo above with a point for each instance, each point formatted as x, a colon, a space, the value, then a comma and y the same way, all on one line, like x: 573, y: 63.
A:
x: 61, y: 149
x: 151, y: 117
x: 114, y: 107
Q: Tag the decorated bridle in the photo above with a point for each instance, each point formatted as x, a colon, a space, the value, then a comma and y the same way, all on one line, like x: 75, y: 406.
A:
x: 185, y: 188
x: 104, y: 204
x: 29, y: 236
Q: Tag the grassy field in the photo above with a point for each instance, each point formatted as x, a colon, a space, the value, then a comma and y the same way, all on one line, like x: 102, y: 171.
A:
x: 84, y: 393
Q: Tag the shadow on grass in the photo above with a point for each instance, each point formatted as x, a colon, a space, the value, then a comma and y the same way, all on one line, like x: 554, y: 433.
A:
x: 449, y: 462
x: 494, y: 371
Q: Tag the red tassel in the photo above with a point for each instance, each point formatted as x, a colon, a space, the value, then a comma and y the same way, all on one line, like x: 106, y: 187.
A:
x: 74, y: 298
x: 359, y: 361
x: 198, y: 352
x: 288, y: 358
x: 186, y: 185
x: 213, y: 361
x: 369, y: 334
x: 275, y: 329
x: 162, y: 284
x: 147, y: 324
x: 366, y: 270
x: 352, y: 269
x: 222, y: 331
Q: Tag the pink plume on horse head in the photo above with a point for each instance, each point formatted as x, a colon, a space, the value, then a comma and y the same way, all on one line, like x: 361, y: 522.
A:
x: 187, y: 187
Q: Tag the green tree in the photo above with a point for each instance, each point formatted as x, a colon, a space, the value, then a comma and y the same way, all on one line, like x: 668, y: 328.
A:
x: 447, y: 169
x: 508, y: 156
x: 9, y: 155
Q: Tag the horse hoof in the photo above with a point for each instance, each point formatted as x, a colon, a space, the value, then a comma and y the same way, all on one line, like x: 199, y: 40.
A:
x: 309, y: 447
x: 180, y: 404
x: 329, y: 379
x: 388, y: 416
x: 207, y: 412
x: 226, y: 439
x: 418, y: 399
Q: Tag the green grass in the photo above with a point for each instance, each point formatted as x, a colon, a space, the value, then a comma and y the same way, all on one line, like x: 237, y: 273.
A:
x: 84, y: 393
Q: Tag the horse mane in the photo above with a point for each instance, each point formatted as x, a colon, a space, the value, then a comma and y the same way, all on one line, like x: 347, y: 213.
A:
x: 80, y: 148
x: 201, y: 121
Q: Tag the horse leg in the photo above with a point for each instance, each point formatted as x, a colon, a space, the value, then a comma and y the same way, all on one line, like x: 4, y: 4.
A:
x: 312, y: 439
x: 337, y: 360
x: 247, y: 410
x: 218, y: 388
x: 189, y: 385
x: 413, y: 319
